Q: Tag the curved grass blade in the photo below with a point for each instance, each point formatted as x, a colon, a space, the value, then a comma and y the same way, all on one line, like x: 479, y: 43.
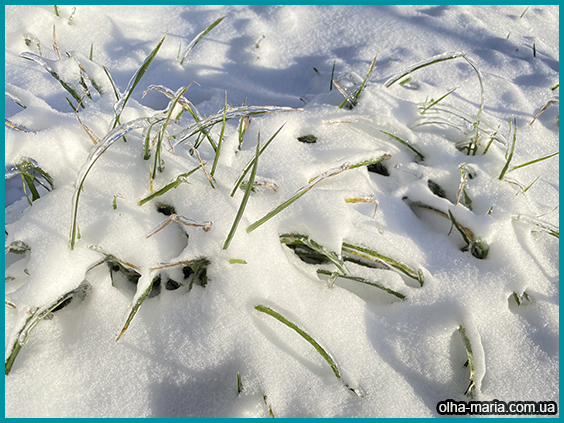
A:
x: 93, y: 156
x: 199, y: 38
x: 303, y: 334
x: 39, y: 60
x: 437, y: 59
x: 245, y: 198
x: 364, y: 281
x: 37, y: 316
x: 372, y: 255
x: 123, y: 99
x: 233, y: 112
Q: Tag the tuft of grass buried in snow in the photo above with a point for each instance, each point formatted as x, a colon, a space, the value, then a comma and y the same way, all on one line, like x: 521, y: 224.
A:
x: 310, y: 185
x: 352, y: 99
x: 37, y: 315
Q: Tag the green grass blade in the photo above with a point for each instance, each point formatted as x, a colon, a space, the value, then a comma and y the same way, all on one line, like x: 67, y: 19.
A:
x: 364, y: 281
x: 234, y: 112
x: 39, y: 60
x: 171, y: 185
x: 199, y: 38
x: 220, y: 141
x: 120, y: 104
x: 353, y: 97
x: 112, y: 83
x: 136, y: 306
x: 303, y: 334
x: 532, y: 162
x: 93, y: 156
x: 296, y: 196
x: 297, y: 239
x: 372, y: 255
x: 510, y: 147
x: 250, y: 163
x: 242, y: 128
x: 435, y: 102
x: 244, y: 200
x: 408, y: 145
x: 471, y: 385
x: 332, y: 75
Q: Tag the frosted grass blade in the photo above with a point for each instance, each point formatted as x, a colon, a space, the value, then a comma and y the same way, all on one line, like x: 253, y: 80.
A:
x: 364, y: 281
x: 297, y: 195
x: 532, y: 162
x: 408, y: 145
x: 471, y: 385
x: 93, y: 156
x: 180, y: 179
x: 297, y: 239
x: 372, y: 255
x: 244, y: 200
x: 510, y: 147
x: 120, y: 104
x: 136, y: 306
x: 39, y: 60
x: 352, y: 99
x: 220, y: 141
x: 303, y: 334
x: 250, y: 163
x: 199, y: 38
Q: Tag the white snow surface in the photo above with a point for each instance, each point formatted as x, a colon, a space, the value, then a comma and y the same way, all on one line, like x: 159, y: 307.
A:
x: 183, y: 349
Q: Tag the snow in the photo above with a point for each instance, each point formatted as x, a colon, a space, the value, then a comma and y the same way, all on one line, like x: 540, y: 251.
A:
x: 182, y: 351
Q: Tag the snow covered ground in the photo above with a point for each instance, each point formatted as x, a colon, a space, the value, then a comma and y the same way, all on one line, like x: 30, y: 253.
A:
x: 479, y: 320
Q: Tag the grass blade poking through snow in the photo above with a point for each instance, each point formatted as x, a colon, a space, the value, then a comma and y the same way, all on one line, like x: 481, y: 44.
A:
x: 372, y: 255
x: 245, y: 198
x: 471, y: 385
x: 532, y: 162
x: 364, y: 281
x: 296, y: 239
x: 199, y: 38
x: 250, y: 163
x: 352, y: 99
x: 303, y: 334
x: 220, y: 141
x: 510, y: 147
x: 408, y: 145
x: 441, y: 58
x: 120, y: 104
x: 171, y: 185
x: 310, y: 185
x: 93, y: 156
x: 136, y: 306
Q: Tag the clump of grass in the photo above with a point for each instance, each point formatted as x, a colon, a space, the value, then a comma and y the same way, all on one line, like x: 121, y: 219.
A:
x: 31, y: 174
x: 352, y: 100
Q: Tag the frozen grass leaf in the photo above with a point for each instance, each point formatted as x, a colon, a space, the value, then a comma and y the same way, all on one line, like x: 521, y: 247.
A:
x: 93, y: 156
x: 364, y: 281
x: 532, y: 162
x: 538, y: 224
x: 199, y: 38
x: 180, y: 179
x: 408, y: 145
x: 123, y: 99
x: 471, y: 385
x: 245, y: 199
x: 352, y: 99
x: 36, y: 316
x: 297, y: 239
x: 352, y: 251
x: 303, y: 334
x: 136, y: 306
x: 510, y: 147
